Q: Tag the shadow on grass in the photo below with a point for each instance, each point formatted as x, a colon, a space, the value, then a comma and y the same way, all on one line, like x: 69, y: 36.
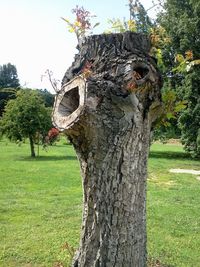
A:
x: 47, y: 158
x: 171, y: 155
x: 61, y: 145
x: 153, y: 154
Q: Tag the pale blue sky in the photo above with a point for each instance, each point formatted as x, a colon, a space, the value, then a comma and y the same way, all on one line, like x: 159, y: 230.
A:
x: 34, y: 38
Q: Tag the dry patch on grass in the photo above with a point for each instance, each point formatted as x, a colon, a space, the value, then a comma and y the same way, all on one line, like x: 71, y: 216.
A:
x: 194, y: 172
x: 155, y: 263
x: 170, y: 142
x: 160, y: 182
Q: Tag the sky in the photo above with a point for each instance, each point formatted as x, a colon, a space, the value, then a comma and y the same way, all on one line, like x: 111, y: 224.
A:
x: 34, y: 38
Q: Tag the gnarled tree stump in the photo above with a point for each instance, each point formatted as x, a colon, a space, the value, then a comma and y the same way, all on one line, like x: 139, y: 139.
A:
x: 109, y: 99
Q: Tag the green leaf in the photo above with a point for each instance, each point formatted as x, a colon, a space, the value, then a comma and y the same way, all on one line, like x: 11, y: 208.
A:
x: 95, y: 25
x: 180, y: 106
x: 170, y: 115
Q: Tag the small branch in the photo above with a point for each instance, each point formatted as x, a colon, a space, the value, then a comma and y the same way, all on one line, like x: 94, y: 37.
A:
x: 54, y: 82
x: 151, y: 7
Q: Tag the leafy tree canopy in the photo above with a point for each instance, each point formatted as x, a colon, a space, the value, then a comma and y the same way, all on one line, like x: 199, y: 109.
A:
x: 8, y: 76
x: 9, y: 83
x: 181, y: 20
x: 47, y: 97
x: 26, y: 117
x: 139, y: 15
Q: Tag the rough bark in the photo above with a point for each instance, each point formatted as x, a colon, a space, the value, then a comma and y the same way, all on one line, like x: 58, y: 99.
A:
x: 109, y: 100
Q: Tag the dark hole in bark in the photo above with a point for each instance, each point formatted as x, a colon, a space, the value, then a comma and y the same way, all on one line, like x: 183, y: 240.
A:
x: 69, y: 103
x: 141, y: 71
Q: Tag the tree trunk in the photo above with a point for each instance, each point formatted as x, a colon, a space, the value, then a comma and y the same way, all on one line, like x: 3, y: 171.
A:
x: 32, y: 146
x: 109, y: 99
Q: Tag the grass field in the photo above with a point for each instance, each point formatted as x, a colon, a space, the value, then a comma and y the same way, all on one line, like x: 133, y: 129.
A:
x: 41, y: 198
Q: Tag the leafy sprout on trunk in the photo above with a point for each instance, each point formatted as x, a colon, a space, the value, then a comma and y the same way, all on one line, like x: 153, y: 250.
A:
x: 82, y: 24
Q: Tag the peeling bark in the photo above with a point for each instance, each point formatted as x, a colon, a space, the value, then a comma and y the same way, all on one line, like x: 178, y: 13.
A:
x: 109, y: 100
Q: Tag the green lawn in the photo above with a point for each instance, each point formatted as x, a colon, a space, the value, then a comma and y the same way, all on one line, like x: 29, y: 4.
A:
x: 173, y: 208
x: 40, y: 206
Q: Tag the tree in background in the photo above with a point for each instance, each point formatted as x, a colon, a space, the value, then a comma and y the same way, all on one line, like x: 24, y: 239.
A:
x: 139, y: 20
x: 139, y: 15
x: 8, y: 83
x: 26, y: 117
x: 47, y: 97
x: 181, y: 20
x: 8, y: 76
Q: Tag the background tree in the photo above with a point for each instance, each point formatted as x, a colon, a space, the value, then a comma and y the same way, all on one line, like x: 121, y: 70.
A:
x: 139, y: 15
x: 8, y: 76
x: 8, y: 82
x: 139, y: 20
x: 47, y: 97
x: 26, y: 117
x: 181, y: 20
